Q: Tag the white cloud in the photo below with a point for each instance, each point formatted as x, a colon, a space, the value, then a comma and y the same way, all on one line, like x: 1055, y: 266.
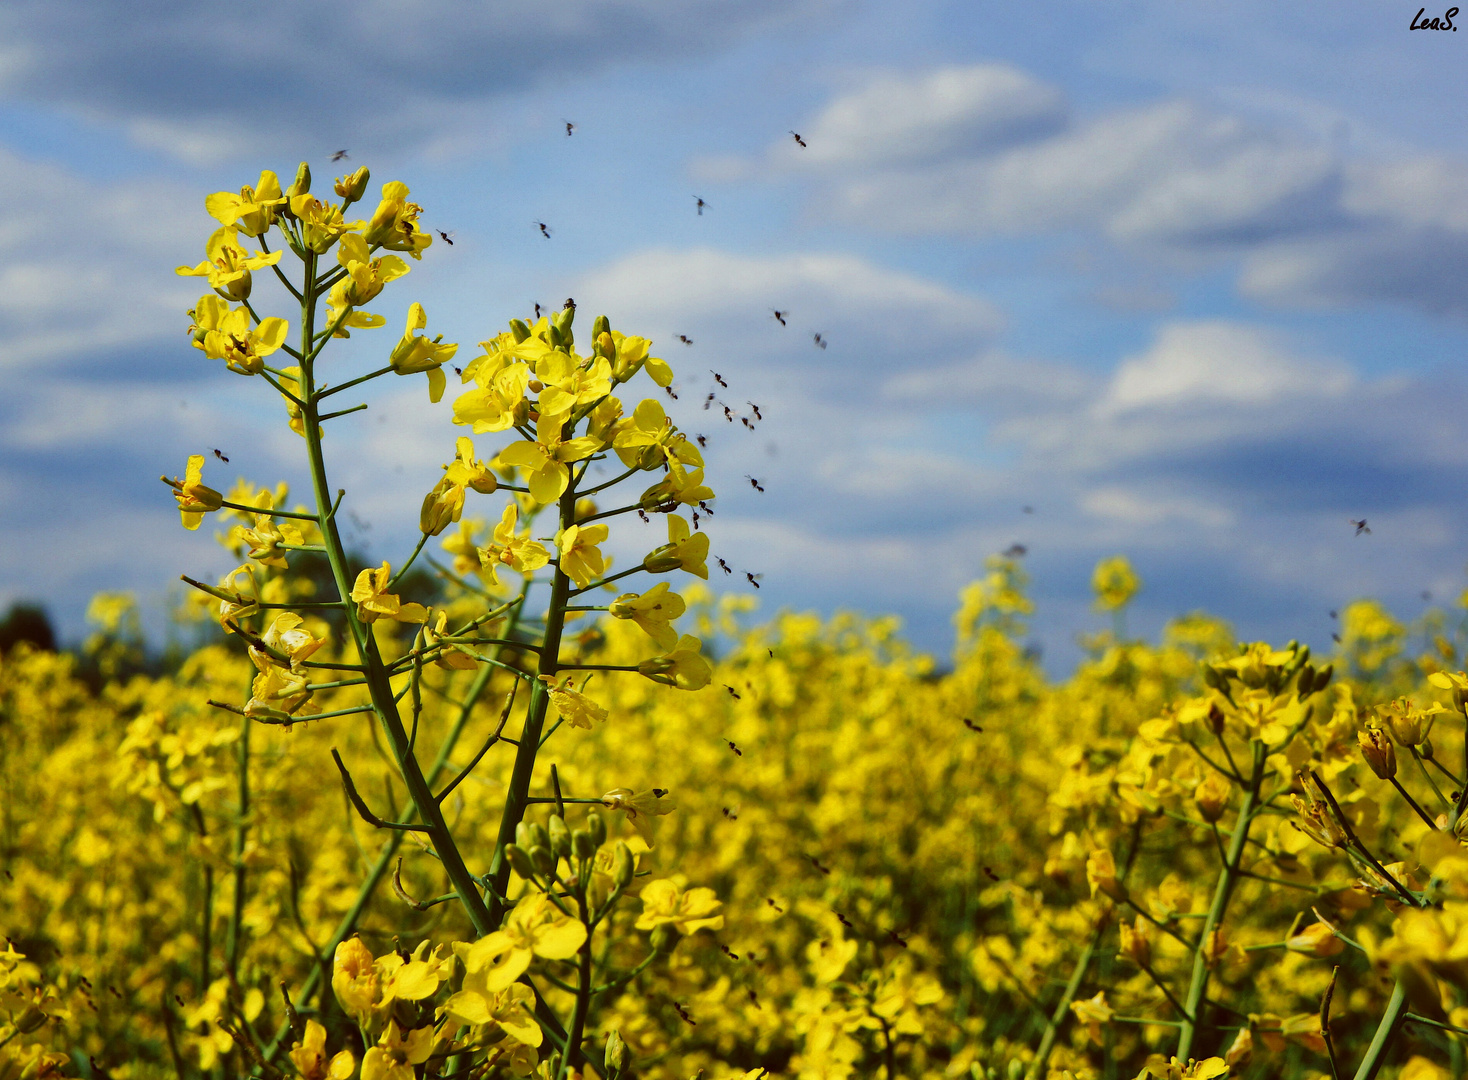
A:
x: 942, y: 112
x: 1217, y: 362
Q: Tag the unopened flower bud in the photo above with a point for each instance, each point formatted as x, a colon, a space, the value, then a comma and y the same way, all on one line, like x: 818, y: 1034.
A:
x: 581, y: 844
x: 1215, y: 718
x: 529, y: 834
x: 519, y: 331
x: 560, y: 836
x: 301, y: 185
x: 1136, y: 944
x: 616, y: 1054
x: 1101, y: 873
x: 519, y: 861
x: 1317, y: 940
x: 1425, y: 749
x: 1377, y: 749
x: 601, y: 325
x: 542, y: 859
x: 597, y: 828
x: 1242, y: 1051
x: 1015, y: 1069
x: 351, y: 188
x: 1211, y: 797
x: 623, y: 865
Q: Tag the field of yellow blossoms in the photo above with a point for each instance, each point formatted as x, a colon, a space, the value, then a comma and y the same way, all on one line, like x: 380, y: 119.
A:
x: 517, y: 813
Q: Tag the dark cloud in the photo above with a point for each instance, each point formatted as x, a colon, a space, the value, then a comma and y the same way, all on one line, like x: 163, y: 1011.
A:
x: 206, y: 81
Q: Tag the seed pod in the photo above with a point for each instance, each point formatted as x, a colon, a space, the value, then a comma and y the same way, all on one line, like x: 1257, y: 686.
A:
x: 519, y: 861
x: 623, y: 865
x: 581, y: 845
x: 597, y: 828
x: 560, y: 836
x: 542, y: 859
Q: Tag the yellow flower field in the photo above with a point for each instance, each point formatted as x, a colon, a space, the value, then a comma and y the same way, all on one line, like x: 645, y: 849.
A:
x: 559, y: 820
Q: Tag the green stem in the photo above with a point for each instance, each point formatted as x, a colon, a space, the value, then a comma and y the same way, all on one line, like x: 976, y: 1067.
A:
x: 1228, y: 876
x: 1376, y: 1052
x: 572, y: 1057
x: 525, y: 753
x: 376, y: 672
x: 241, y: 836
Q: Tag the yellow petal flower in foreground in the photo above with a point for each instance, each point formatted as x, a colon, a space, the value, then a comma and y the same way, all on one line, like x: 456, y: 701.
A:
x: 654, y: 611
x: 510, y: 1009
x: 581, y: 559
x: 227, y: 264
x: 254, y: 207
x: 535, y: 927
x: 546, y: 459
x: 640, y: 807
x: 414, y: 353
x: 685, y: 550
x: 354, y: 980
x: 288, y: 635
x: 397, y: 1052
x: 683, y: 667
x: 664, y: 904
x: 309, y: 1057
x: 575, y: 708
x: 510, y: 549
x: 194, y: 499
x: 394, y: 225
x: 374, y: 601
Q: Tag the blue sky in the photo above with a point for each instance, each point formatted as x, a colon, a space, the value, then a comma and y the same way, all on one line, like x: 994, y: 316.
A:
x: 1189, y: 280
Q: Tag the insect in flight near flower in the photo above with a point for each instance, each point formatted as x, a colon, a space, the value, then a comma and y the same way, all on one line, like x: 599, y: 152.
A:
x: 701, y: 205
x: 752, y: 577
x: 798, y: 139
x: 723, y: 565
x: 755, y: 407
x: 221, y: 457
x: 570, y: 127
x: 780, y: 315
x: 339, y: 155
x: 755, y: 483
x: 448, y: 237
x: 685, y: 339
x: 820, y: 342
x: 543, y: 227
x: 718, y: 378
x: 1361, y: 526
